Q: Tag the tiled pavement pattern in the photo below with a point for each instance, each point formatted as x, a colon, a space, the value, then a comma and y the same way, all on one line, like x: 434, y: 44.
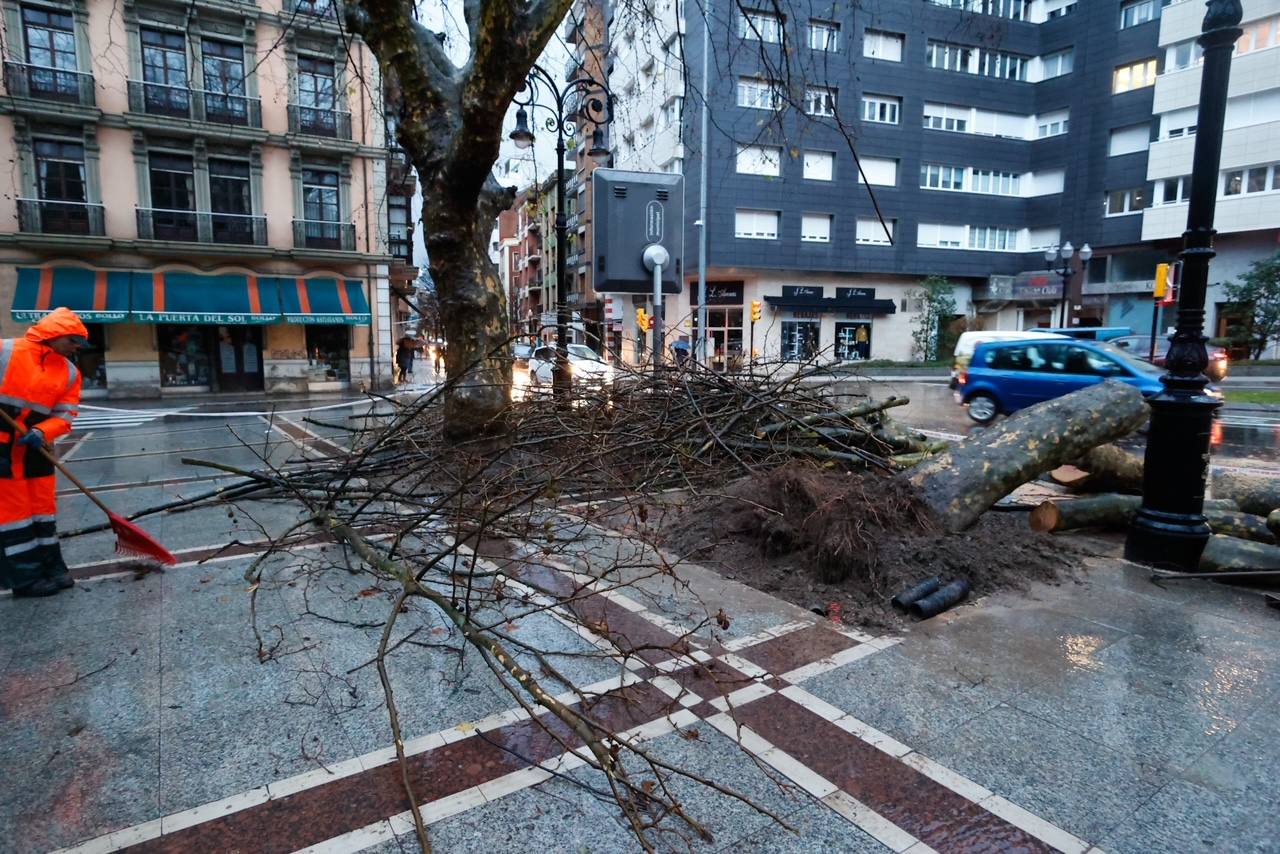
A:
x: 1113, y: 711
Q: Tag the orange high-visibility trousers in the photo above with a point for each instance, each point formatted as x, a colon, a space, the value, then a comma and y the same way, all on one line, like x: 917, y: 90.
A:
x: 28, y: 531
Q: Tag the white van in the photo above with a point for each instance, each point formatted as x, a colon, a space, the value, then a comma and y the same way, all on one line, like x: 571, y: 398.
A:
x: 969, y: 340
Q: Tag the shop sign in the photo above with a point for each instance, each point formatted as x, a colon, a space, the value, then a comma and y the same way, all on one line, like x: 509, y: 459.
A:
x: 203, y: 317
x: 858, y: 315
x: 1036, y: 285
x: 723, y: 293
x: 855, y: 293
x: 807, y: 315
x: 801, y: 292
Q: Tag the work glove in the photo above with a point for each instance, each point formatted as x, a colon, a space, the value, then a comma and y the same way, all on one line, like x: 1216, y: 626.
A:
x: 33, y: 438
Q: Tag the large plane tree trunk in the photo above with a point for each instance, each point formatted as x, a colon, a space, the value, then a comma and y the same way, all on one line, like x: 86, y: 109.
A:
x: 450, y: 124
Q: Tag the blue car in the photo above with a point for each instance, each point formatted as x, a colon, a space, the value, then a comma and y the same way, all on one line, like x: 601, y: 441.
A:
x: 1005, y: 376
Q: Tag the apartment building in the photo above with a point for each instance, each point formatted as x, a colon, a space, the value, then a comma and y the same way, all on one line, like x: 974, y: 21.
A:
x: 1248, y: 205
x: 209, y: 185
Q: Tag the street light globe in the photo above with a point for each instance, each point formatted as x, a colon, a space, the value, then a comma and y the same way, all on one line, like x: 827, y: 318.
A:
x: 1050, y: 254
x: 521, y: 136
x: 598, y: 152
x: 1086, y: 252
x: 1067, y: 251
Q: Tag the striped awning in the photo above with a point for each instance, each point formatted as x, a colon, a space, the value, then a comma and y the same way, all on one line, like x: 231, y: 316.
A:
x: 98, y: 296
x: 226, y: 300
x: 319, y: 300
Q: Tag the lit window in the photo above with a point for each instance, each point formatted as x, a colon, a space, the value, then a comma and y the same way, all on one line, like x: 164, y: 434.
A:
x: 1136, y: 75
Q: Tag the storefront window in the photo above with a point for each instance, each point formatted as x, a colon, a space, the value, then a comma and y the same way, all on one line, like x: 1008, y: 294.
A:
x: 329, y: 349
x: 184, y: 355
x: 724, y: 328
x: 92, y: 361
x: 853, y: 341
x: 800, y: 339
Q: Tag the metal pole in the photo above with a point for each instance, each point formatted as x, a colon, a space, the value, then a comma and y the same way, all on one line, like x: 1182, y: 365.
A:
x: 1065, y: 273
x: 1170, y: 529
x: 1155, y: 322
x: 657, y: 315
x: 700, y: 341
x: 561, y: 381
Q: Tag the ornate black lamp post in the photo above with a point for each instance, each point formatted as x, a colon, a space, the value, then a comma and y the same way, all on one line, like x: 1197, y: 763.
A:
x: 1058, y: 260
x: 1170, y: 527
x: 594, y: 104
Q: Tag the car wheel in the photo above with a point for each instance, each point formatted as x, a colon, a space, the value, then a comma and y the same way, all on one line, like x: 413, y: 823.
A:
x: 983, y: 408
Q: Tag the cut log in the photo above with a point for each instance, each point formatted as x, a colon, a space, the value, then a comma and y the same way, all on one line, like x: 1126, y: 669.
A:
x: 959, y: 485
x: 1116, y: 511
x: 1113, y: 469
x: 1244, y: 526
x: 1230, y: 554
x: 1070, y: 477
x: 1252, y: 493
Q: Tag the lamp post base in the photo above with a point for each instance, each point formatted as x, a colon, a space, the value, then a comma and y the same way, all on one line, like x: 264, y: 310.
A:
x: 1170, y: 528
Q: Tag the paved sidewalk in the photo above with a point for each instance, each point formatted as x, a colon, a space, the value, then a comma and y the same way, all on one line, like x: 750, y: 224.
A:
x: 1110, y: 712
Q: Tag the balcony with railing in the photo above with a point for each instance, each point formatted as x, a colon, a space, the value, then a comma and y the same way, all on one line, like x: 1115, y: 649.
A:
x: 159, y: 99
x: 324, y: 234
x: 325, y: 10
x: 49, y: 84
x: 319, y: 121
x: 227, y: 229
x: 43, y: 216
x: 400, y: 245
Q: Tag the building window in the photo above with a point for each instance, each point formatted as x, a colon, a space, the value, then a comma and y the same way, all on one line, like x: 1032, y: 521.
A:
x: 882, y: 171
x: 934, y: 176
x: 1013, y: 9
x: 881, y: 108
x: 1135, y: 75
x: 801, y: 339
x: 1134, y: 12
x: 1057, y: 64
x: 1052, y: 124
x: 1183, y: 55
x: 759, y: 160
x: 943, y: 117
x: 824, y: 35
x: 1255, y: 179
x: 815, y: 228
x: 877, y: 44
x: 938, y: 236
x: 755, y: 225
x: 1259, y: 35
x: 1121, y: 202
x: 223, y: 66
x: 322, y: 225
x: 764, y: 26
x: 173, y: 197
x: 1127, y: 140
x: 1173, y: 191
x: 51, y: 48
x: 184, y: 355
x: 997, y: 183
x: 872, y: 232
x: 1180, y: 123
x: 398, y: 241
x: 819, y: 101
x: 317, y: 96
x: 671, y: 112
x: 674, y: 166
x: 948, y: 57
x: 329, y: 349
x: 1006, y: 66
x: 230, y: 202
x: 819, y: 165
x: 60, y: 187
x: 993, y: 238
x: 165, y: 89
x: 759, y: 93
x: 724, y: 329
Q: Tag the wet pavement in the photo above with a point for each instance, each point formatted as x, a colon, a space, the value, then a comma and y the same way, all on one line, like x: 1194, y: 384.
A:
x: 1105, y: 713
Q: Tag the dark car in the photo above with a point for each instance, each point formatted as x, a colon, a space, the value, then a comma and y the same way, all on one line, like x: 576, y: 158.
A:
x: 1005, y: 376
x: 1140, y: 346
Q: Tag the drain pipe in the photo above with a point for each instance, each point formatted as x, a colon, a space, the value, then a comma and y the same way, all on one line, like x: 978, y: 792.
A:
x: 368, y: 245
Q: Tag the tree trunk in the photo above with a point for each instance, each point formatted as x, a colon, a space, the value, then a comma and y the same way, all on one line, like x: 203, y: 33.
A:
x: 1228, y: 554
x: 1114, y: 511
x: 1113, y: 469
x: 958, y: 486
x: 1253, y: 493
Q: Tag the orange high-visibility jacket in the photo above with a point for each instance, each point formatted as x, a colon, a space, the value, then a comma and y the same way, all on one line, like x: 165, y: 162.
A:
x: 39, y: 388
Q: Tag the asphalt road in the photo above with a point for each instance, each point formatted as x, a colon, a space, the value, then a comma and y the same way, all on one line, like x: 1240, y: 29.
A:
x: 1242, y: 438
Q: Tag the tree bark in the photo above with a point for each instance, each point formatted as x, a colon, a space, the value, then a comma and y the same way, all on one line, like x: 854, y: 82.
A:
x: 1228, y: 554
x: 959, y: 485
x: 449, y: 122
x: 1253, y: 494
x: 1114, y: 511
x: 1113, y: 469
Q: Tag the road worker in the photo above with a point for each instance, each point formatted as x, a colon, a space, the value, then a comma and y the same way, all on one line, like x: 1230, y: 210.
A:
x: 40, y: 389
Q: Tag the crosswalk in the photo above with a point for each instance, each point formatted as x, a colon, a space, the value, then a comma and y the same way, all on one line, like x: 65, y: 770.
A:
x: 89, y: 419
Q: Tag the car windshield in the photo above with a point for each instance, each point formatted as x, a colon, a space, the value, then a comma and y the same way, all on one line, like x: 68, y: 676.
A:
x: 582, y: 351
x: 1130, y: 359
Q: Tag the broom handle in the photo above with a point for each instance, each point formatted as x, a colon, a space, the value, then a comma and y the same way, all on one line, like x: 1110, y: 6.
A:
x: 57, y: 464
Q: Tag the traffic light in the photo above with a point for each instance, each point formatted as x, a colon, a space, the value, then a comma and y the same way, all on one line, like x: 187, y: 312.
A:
x: 1162, y: 281
x: 755, y: 310
x: 643, y: 321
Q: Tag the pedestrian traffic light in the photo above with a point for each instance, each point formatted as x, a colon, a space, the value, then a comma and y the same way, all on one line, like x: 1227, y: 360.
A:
x: 1162, y: 281
x: 642, y: 320
x: 755, y: 310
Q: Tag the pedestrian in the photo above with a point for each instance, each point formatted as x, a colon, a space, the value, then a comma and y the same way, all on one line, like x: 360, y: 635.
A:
x: 39, y: 389
x: 439, y: 359
x: 404, y: 358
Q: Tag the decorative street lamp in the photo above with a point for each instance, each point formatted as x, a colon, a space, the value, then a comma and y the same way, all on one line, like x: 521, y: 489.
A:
x: 1170, y: 526
x: 594, y: 103
x: 1058, y: 260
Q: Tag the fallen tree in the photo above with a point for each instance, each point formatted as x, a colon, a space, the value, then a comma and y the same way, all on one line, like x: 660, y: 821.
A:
x: 961, y: 484
x: 1253, y: 493
x: 1116, y: 512
x: 1106, y: 468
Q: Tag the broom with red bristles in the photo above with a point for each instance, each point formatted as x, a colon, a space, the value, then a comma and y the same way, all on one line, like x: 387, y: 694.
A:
x: 130, y: 539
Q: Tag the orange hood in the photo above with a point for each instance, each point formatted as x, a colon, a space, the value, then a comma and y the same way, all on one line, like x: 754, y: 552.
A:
x: 60, y: 321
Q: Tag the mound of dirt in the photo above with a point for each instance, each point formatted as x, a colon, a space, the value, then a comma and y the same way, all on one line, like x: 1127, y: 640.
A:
x: 815, y: 536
